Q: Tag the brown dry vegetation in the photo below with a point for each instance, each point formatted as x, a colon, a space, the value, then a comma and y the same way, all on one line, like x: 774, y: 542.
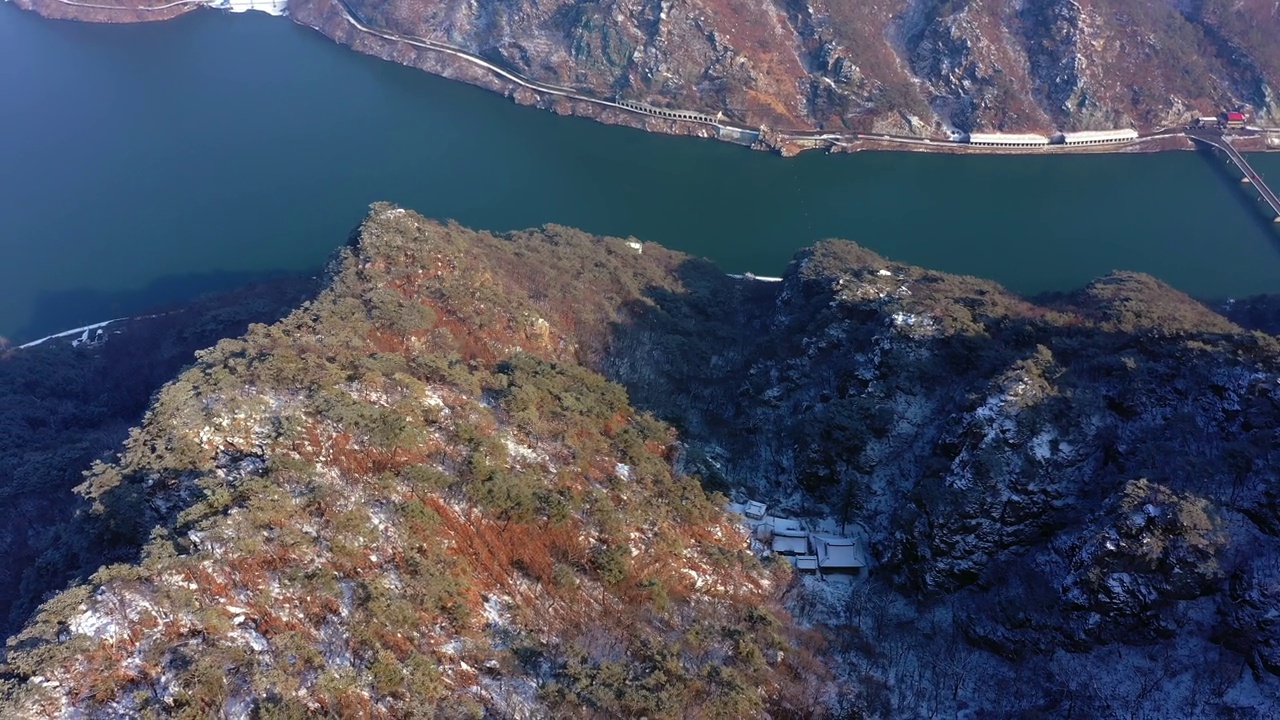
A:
x: 899, y: 65
x: 416, y: 496
x: 410, y: 498
x: 907, y: 66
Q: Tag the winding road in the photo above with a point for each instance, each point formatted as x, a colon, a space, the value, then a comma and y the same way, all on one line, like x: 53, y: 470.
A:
x: 353, y: 18
x: 153, y: 8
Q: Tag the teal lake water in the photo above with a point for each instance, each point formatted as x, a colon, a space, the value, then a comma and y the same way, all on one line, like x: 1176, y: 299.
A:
x: 149, y: 163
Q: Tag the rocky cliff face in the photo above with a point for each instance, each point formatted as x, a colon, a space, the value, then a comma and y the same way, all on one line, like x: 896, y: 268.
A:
x: 418, y: 493
x: 1091, y: 473
x: 922, y: 67
x: 915, y: 66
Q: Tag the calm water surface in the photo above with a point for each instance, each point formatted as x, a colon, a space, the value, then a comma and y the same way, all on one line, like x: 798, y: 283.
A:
x: 145, y: 164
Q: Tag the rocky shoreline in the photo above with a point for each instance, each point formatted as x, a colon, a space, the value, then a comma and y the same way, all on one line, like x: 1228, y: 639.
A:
x: 328, y: 18
x: 106, y: 11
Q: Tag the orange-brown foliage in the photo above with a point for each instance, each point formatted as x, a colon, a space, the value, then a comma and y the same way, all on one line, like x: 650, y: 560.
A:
x: 495, y: 552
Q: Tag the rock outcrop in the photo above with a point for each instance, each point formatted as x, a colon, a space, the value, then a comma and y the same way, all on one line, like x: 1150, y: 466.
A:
x: 916, y: 67
x: 1092, y: 472
x: 419, y: 491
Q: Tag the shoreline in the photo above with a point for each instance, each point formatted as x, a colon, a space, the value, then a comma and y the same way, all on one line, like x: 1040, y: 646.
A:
x: 1219, y: 305
x: 67, y: 333
x: 627, y: 113
x: 461, y: 65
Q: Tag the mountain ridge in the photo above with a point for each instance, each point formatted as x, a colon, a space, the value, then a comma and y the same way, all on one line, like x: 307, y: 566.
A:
x: 433, y: 489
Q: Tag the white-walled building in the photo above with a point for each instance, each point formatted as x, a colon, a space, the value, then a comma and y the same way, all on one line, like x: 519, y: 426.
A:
x: 1099, y: 137
x: 1010, y: 140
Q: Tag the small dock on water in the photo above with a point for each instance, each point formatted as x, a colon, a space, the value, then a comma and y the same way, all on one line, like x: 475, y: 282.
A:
x: 1250, y: 176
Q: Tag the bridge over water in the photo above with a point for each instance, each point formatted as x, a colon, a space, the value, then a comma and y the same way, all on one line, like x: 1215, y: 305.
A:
x: 1251, y: 176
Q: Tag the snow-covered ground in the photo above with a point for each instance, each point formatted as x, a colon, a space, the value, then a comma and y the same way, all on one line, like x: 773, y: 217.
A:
x: 81, y: 331
x: 753, y: 276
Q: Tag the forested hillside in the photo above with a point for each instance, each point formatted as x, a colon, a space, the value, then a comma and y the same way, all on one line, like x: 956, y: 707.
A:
x: 410, y: 498
x: 486, y: 475
x: 917, y: 67
x: 63, y: 407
